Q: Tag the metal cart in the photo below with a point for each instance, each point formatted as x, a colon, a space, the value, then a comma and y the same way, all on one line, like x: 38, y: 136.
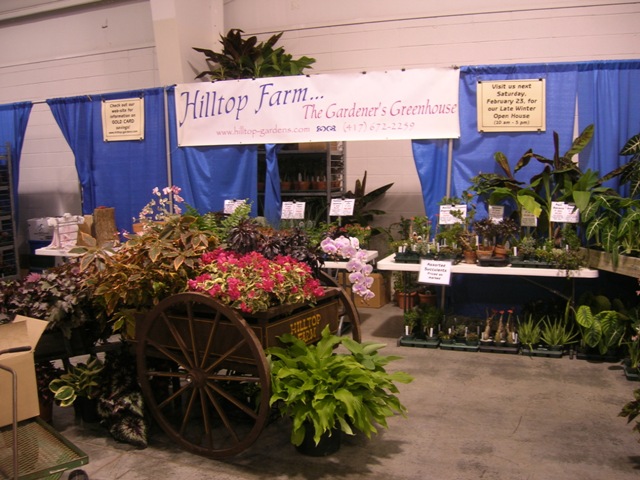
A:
x: 32, y: 449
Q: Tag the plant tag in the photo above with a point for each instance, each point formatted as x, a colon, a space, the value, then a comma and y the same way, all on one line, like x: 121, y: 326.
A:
x: 496, y: 213
x: 447, y: 217
x: 528, y: 219
x: 231, y: 205
x: 342, y: 207
x: 293, y: 210
x: 562, y: 212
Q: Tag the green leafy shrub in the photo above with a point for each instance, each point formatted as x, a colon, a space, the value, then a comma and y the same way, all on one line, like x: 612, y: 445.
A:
x: 324, y: 390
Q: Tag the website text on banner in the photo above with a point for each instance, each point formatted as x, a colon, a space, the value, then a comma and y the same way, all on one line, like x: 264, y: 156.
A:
x: 407, y: 104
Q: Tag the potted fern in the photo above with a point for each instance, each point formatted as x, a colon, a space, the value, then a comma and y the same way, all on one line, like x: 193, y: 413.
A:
x: 326, y: 392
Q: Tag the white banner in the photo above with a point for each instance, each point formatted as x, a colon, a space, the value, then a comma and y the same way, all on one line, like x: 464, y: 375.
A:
x: 408, y: 104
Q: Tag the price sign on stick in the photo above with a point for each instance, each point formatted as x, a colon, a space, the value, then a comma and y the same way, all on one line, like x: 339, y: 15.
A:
x: 435, y: 272
x: 231, y: 205
x: 342, y: 207
x: 293, y: 210
x: 528, y: 219
x: 447, y: 217
x: 562, y: 212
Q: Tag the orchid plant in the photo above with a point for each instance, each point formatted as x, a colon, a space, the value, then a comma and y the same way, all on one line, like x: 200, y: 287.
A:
x: 360, y: 270
x: 162, y: 204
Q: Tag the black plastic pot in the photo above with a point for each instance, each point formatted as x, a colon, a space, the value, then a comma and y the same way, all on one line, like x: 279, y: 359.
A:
x: 329, y: 443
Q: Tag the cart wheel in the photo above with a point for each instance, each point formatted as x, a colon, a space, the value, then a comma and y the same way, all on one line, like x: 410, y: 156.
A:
x: 203, y: 374
x: 348, y: 313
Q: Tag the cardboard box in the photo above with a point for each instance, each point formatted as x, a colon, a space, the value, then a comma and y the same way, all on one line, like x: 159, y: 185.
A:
x: 23, y: 331
x: 380, y: 288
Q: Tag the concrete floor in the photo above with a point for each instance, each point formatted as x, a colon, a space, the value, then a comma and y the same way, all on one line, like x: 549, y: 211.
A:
x: 471, y: 416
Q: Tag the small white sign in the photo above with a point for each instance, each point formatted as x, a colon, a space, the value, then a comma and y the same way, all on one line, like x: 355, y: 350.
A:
x: 293, y: 210
x: 342, y: 207
x: 123, y: 119
x: 496, y: 213
x: 528, y: 219
x: 435, y: 272
x: 562, y: 212
x: 446, y: 217
x: 231, y: 205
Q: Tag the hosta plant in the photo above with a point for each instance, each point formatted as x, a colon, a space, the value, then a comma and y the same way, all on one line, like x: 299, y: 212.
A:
x: 324, y: 390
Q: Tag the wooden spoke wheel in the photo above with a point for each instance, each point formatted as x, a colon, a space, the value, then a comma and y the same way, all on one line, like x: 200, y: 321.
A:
x: 203, y: 374
x: 348, y: 313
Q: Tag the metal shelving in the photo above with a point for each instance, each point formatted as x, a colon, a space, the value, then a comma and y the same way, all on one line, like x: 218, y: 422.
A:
x: 299, y: 164
x: 8, y: 237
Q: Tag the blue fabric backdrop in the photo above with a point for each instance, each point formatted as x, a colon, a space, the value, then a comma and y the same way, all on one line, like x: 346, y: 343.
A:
x: 118, y: 174
x: 13, y: 123
x: 609, y: 98
x: 607, y: 95
x: 430, y: 157
x: 272, y: 194
x: 212, y: 174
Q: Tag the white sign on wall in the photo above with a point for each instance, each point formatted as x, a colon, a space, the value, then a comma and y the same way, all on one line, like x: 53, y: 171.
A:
x: 123, y: 119
x: 407, y: 104
x: 511, y: 106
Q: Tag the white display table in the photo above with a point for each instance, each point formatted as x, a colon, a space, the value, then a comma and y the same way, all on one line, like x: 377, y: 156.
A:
x: 388, y: 263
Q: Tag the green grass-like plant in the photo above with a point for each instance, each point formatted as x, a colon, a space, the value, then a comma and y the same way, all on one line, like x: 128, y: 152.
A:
x: 325, y: 390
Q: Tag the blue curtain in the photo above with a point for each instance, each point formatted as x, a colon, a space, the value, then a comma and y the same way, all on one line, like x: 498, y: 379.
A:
x: 118, y: 174
x: 209, y: 175
x: 13, y: 123
x: 609, y: 98
x: 474, y: 152
x: 430, y: 157
x: 272, y: 197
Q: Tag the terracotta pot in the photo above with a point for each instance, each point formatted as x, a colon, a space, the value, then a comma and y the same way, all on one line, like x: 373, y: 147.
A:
x: 427, y: 298
x: 285, y: 186
x: 470, y: 256
x: 319, y: 186
x: 500, y: 252
x: 406, y: 301
x: 302, y: 186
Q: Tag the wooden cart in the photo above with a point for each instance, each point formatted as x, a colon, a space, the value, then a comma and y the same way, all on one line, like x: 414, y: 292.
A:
x: 203, y: 370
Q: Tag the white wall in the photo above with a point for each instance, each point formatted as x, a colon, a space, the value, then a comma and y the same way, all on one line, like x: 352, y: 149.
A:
x: 110, y: 46
x: 347, y: 36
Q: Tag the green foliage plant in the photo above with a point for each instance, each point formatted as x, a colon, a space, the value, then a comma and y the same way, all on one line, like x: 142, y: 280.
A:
x: 247, y: 58
x: 529, y: 332
x: 82, y: 380
x: 145, y: 269
x: 557, y: 333
x: 326, y: 390
x: 602, y: 330
x: 631, y: 411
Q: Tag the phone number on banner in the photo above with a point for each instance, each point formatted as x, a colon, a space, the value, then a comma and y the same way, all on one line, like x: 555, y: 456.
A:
x: 377, y: 126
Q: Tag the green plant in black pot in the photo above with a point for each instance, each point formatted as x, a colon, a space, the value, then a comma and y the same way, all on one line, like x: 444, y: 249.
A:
x: 325, y: 391
x: 529, y: 333
x: 411, y: 320
x: 121, y: 404
x: 603, y: 331
x: 556, y: 334
x: 82, y: 381
x: 631, y: 410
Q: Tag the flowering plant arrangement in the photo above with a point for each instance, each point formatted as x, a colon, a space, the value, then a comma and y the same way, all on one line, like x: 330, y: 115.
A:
x: 161, y: 205
x: 349, y: 247
x: 253, y: 283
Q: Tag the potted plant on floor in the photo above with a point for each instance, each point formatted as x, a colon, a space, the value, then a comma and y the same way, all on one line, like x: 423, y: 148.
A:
x: 556, y: 335
x: 82, y: 384
x: 326, y: 392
